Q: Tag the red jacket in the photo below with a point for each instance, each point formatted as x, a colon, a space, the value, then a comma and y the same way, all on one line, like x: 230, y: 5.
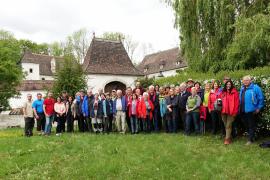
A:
x: 213, y: 96
x: 130, y: 107
x: 230, y: 102
x: 142, y: 109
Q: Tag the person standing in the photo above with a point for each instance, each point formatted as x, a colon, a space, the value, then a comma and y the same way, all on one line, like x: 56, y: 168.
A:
x: 182, y: 101
x: 251, y: 103
x: 154, y: 98
x: 86, y: 109
x: 96, y: 113
x: 106, y: 113
x: 215, y: 106
x: 39, y: 113
x: 204, y: 113
x: 128, y: 97
x: 81, y: 110
x: 70, y: 114
x: 119, y: 111
x: 133, y: 113
x: 28, y: 114
x: 230, y: 107
x: 163, y: 108
x: 193, y: 105
x: 171, y: 113
x: 145, y: 111
x: 48, y: 108
x: 60, y: 110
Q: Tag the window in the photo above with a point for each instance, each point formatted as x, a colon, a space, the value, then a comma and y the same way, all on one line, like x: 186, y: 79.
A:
x: 43, y: 78
x: 177, y: 63
x: 161, y: 66
x: 31, y: 70
x: 145, y: 69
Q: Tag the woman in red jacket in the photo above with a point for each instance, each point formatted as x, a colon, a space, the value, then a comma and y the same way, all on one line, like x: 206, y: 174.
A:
x: 145, y: 109
x: 215, y: 106
x: 230, y: 106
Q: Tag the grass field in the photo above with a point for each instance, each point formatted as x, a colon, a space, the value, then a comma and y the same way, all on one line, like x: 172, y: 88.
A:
x: 114, y: 156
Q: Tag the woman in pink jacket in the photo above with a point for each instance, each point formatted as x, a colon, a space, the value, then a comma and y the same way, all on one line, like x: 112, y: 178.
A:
x: 230, y: 106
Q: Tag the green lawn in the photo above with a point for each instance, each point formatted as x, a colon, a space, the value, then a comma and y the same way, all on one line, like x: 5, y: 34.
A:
x: 114, y: 156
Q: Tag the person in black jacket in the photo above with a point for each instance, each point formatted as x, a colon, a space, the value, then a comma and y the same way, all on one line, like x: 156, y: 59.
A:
x: 182, y: 101
x: 154, y: 98
x: 171, y: 114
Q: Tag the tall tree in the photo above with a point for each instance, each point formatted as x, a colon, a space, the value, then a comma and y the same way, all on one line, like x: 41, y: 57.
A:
x: 207, y: 28
x: 70, y: 77
x: 77, y: 44
x: 10, y: 72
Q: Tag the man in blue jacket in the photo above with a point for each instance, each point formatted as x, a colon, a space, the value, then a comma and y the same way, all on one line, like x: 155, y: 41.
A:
x: 251, y: 103
x: 119, y: 111
x: 86, y: 109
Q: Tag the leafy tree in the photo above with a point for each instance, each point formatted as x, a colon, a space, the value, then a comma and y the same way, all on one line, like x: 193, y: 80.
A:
x: 210, y: 30
x: 34, y: 47
x: 56, y: 49
x: 70, y: 77
x: 10, y: 72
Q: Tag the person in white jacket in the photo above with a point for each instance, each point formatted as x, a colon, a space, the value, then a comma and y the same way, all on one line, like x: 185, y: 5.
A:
x: 60, y: 111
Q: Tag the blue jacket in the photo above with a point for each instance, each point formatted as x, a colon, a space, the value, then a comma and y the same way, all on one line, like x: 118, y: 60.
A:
x: 124, y: 104
x: 107, y: 107
x: 254, y: 98
x: 85, y: 106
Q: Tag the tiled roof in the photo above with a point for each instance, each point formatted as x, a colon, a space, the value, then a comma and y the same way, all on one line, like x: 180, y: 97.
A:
x: 108, y: 57
x: 44, y: 62
x: 162, y: 61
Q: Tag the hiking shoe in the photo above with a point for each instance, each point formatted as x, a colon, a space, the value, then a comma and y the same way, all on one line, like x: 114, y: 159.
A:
x: 227, y: 142
x: 248, y: 143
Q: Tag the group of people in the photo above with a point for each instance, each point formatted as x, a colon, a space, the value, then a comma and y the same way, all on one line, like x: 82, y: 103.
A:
x: 171, y: 109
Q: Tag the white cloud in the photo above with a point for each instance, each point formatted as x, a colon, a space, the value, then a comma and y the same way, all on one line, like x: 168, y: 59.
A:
x: 147, y: 21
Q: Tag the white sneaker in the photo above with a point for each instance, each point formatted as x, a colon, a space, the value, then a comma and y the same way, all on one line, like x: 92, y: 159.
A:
x: 58, y: 134
x: 248, y: 143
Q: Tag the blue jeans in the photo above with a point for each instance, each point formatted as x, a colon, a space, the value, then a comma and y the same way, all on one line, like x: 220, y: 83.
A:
x: 48, y: 125
x: 192, y: 117
x: 172, y: 125
x: 134, y: 124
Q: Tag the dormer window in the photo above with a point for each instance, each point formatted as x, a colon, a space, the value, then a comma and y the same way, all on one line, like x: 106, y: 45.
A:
x: 30, y: 70
x: 161, y: 66
x: 145, y: 69
x: 177, y: 63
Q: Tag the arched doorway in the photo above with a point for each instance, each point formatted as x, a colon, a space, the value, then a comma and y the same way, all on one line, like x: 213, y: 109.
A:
x: 115, y: 85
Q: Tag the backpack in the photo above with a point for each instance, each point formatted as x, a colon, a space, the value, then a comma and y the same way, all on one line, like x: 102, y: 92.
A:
x: 265, y: 144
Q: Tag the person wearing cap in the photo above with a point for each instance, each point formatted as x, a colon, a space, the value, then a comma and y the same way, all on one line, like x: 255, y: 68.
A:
x: 39, y: 113
x: 28, y: 114
x: 251, y: 103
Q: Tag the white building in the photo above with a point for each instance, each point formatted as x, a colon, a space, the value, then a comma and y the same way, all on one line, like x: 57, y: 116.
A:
x: 106, y: 64
x: 163, y: 63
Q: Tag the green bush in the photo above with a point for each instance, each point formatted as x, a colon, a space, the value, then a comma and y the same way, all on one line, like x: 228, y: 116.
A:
x: 261, y: 77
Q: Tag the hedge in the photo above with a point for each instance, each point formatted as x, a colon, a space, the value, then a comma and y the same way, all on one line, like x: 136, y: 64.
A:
x: 261, y: 77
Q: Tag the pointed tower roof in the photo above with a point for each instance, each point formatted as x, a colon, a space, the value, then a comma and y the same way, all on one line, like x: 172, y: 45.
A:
x: 108, y: 57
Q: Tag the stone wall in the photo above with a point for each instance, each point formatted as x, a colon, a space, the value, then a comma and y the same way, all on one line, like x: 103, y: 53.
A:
x: 9, y: 121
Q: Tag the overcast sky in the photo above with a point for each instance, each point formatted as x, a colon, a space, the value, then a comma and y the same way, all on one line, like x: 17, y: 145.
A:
x: 146, y: 21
